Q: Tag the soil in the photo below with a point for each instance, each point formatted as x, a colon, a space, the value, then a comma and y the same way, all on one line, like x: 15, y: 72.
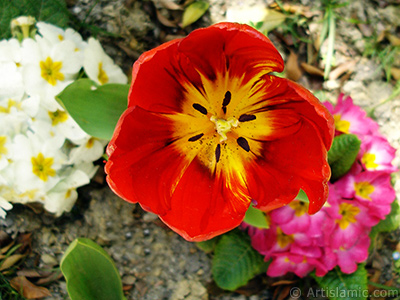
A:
x: 154, y: 262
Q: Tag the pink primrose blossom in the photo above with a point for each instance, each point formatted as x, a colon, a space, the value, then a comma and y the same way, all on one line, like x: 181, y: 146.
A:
x: 376, y: 154
x: 292, y: 218
x: 274, y: 240
x: 350, y: 118
x: 347, y: 257
x: 283, y: 263
x: 351, y: 219
x: 372, y: 189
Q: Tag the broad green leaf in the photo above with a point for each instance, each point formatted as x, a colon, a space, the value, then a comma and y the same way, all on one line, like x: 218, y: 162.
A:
x: 342, y: 154
x: 339, y: 286
x: 90, y: 272
x: 50, y: 11
x: 208, y: 246
x: 391, y: 222
x: 302, y: 196
x: 256, y: 218
x: 194, y: 12
x: 235, y: 261
x: 95, y: 108
x: 273, y: 19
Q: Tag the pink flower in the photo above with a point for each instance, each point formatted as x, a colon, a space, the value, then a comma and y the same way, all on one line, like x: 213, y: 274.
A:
x: 372, y: 189
x: 292, y: 218
x: 351, y: 219
x: 350, y: 118
x: 301, y: 265
x: 348, y: 257
x: 376, y: 154
x: 274, y: 240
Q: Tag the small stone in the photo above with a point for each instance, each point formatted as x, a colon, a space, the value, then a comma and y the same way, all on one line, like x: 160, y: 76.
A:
x: 129, y: 280
x: 48, y: 259
x: 146, y: 232
x: 149, y: 217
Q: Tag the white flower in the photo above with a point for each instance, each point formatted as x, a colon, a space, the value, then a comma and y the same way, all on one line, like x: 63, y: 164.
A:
x: 90, y: 149
x: 50, y: 124
x: 11, y: 84
x: 99, y: 66
x: 4, y: 150
x: 10, y: 51
x: 48, y: 69
x: 36, y: 163
x: 62, y: 197
x: 88, y: 168
x: 55, y: 34
x: 16, y: 114
x: 4, y: 206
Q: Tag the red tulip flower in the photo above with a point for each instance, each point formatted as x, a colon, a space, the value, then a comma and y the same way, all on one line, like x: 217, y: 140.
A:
x: 209, y: 130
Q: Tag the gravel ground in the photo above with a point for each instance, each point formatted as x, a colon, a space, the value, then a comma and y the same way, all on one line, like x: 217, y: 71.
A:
x: 154, y: 262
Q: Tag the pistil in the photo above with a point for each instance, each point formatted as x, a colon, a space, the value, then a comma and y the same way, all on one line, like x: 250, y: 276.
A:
x: 224, y: 126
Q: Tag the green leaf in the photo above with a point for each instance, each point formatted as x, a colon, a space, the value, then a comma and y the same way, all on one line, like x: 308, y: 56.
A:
x: 90, y: 272
x: 95, y: 108
x: 235, y: 261
x: 194, y: 12
x: 256, y: 218
x: 50, y: 11
x: 390, y: 223
x: 208, y: 246
x: 302, y: 196
x: 339, y: 286
x: 342, y: 154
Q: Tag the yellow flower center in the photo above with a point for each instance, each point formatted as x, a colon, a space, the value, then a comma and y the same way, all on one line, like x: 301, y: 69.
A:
x: 102, y: 77
x: 57, y: 117
x: 364, y: 189
x: 60, y: 37
x: 50, y: 71
x: 341, y: 125
x: 224, y: 126
x: 223, y: 121
x: 300, y: 207
x: 283, y: 239
x: 11, y: 103
x: 349, y: 213
x: 42, y: 167
x: 90, y: 143
x: 368, y: 160
x: 68, y: 193
x: 3, y: 149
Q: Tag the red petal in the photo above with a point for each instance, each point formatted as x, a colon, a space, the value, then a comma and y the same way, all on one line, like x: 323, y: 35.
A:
x: 294, y: 162
x: 154, y: 82
x: 204, y: 206
x: 238, y: 46
x: 324, y: 121
x: 139, y: 150
x: 160, y: 75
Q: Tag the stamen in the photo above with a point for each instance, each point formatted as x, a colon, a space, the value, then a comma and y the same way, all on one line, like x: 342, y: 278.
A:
x: 218, y: 152
x: 242, y: 142
x: 196, y: 137
x: 200, y: 108
x: 227, y: 98
x: 246, y: 118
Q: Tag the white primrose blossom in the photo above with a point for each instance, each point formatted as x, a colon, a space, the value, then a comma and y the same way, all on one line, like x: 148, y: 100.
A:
x: 100, y: 67
x: 48, y: 69
x: 44, y: 155
x: 54, y: 35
